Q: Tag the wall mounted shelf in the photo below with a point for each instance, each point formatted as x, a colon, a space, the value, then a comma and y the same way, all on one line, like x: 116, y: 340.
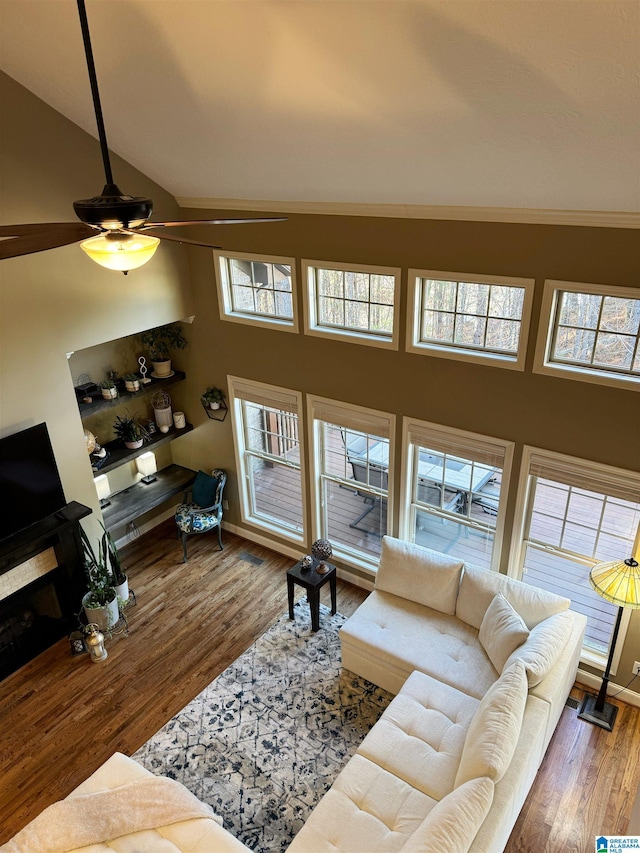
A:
x: 118, y: 454
x: 216, y: 414
x: 97, y: 404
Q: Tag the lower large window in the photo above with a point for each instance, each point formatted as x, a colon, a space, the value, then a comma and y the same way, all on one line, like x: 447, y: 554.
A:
x: 577, y: 514
x: 453, y: 496
x: 351, y: 461
x: 267, y: 446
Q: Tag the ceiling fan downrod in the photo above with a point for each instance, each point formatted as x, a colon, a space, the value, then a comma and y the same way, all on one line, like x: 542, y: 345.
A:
x: 112, y: 209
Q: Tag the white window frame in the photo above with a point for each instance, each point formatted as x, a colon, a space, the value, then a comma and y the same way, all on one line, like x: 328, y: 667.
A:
x: 311, y: 324
x: 457, y: 351
x: 458, y: 443
x: 225, y: 298
x: 323, y: 410
x: 246, y: 389
x: 615, y: 481
x: 542, y: 362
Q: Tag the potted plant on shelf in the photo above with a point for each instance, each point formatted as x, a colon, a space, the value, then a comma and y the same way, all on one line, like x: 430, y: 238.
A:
x: 109, y: 389
x: 131, y: 382
x: 212, y: 398
x: 160, y: 341
x: 100, y: 602
x: 131, y: 430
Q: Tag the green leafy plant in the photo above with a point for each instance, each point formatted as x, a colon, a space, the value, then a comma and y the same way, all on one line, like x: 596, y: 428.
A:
x: 107, y: 383
x: 97, y: 566
x: 161, y: 340
x: 131, y: 377
x: 212, y: 395
x: 129, y: 427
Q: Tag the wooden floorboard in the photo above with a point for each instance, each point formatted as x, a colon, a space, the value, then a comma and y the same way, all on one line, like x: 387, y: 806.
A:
x: 61, y: 717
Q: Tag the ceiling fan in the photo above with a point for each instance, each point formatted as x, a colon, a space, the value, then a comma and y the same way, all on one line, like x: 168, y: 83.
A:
x: 112, y: 224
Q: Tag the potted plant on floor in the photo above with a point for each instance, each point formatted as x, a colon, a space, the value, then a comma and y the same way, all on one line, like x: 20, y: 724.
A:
x: 131, y: 430
x: 212, y: 398
x: 100, y: 602
x: 160, y: 341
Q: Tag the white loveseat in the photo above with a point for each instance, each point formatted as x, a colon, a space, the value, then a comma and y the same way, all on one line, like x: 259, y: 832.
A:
x: 481, y: 665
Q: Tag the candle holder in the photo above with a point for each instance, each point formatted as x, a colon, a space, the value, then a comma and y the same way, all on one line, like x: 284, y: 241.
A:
x: 95, y: 643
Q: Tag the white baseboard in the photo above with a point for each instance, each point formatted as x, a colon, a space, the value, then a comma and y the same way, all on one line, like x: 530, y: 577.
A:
x: 622, y: 693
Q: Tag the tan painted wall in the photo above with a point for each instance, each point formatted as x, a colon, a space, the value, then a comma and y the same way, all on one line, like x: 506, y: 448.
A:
x: 55, y: 302
x: 577, y: 418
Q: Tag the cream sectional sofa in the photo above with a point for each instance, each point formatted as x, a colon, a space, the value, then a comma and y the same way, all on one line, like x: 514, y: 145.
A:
x: 481, y: 665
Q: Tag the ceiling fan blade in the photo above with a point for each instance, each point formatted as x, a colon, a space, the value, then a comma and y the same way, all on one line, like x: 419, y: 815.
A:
x: 173, y: 238
x: 211, y: 222
x: 19, y: 240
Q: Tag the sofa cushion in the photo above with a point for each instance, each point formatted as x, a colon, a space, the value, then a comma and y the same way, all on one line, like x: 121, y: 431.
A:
x: 419, y: 574
x: 453, y: 823
x: 420, y: 736
x: 493, y: 733
x: 367, y: 809
x: 402, y: 636
x: 502, y: 630
x: 478, y: 586
x: 543, y: 648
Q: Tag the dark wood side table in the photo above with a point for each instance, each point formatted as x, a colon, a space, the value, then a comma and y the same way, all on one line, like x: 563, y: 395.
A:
x: 312, y: 582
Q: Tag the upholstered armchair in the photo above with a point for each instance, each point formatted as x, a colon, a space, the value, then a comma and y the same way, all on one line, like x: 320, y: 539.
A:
x: 201, y: 507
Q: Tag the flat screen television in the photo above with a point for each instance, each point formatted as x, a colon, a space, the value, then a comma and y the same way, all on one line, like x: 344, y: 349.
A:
x: 29, y: 481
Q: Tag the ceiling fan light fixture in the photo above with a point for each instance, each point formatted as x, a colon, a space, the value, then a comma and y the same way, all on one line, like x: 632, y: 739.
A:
x: 120, y: 252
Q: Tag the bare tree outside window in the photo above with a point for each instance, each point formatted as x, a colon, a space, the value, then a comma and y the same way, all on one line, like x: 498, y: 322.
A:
x: 354, y: 300
x: 473, y: 315
x: 597, y: 331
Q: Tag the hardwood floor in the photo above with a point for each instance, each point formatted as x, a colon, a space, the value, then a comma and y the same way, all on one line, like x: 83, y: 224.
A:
x: 62, y: 716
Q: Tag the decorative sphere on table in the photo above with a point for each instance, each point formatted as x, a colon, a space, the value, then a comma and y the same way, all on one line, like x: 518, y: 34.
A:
x: 321, y: 550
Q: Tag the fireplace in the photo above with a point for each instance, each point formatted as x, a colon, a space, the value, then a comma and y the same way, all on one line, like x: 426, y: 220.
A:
x: 41, y: 587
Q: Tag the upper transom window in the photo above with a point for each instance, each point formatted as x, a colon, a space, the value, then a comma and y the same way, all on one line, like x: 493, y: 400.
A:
x: 355, y: 302
x: 592, y: 331
x: 471, y: 318
x: 257, y: 289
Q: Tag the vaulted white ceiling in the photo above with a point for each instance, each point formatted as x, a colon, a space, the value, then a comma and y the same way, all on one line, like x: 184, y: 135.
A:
x: 482, y: 103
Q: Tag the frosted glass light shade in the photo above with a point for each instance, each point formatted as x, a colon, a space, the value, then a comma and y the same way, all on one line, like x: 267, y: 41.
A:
x: 121, y: 252
x: 146, y: 463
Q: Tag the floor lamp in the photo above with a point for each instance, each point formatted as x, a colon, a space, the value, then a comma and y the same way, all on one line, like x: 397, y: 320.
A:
x: 619, y: 583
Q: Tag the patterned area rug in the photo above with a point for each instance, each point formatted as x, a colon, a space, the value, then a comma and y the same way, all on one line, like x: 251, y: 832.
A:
x: 265, y: 740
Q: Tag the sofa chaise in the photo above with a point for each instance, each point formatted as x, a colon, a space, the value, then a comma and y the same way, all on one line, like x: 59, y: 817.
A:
x: 481, y: 666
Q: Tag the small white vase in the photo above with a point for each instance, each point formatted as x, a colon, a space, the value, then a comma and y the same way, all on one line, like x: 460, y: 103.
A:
x: 132, y: 384
x: 214, y: 405
x: 109, y: 393
x: 122, y: 590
